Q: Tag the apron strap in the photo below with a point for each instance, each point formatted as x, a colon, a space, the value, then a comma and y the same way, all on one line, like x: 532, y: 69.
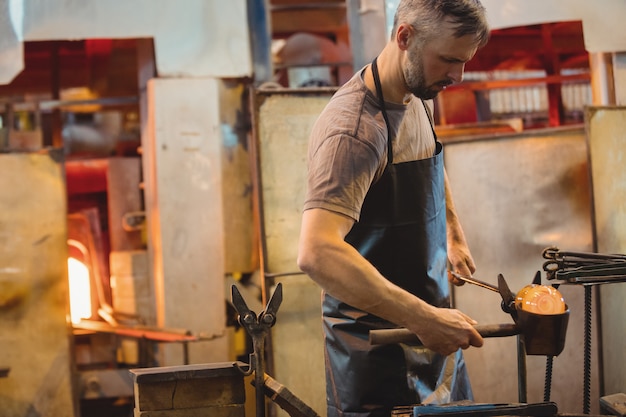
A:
x: 430, y: 119
x: 383, y: 109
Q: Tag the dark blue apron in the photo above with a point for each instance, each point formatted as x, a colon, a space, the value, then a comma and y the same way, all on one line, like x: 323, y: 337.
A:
x: 402, y: 232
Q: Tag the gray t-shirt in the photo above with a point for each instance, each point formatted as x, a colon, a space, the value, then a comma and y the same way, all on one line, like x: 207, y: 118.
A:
x: 348, y: 146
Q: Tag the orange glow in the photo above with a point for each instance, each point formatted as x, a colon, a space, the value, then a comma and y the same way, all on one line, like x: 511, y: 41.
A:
x: 80, y: 290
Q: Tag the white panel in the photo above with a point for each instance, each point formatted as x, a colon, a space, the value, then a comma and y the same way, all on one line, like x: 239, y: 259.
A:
x: 11, y: 51
x: 603, y: 25
x: 184, y: 212
x: 597, y: 16
x: 510, y: 13
x: 192, y: 38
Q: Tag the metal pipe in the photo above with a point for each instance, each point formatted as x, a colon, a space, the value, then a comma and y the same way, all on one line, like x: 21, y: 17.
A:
x: 474, y: 281
x: 401, y: 335
x: 521, y: 370
x: 602, y: 82
x: 259, y: 22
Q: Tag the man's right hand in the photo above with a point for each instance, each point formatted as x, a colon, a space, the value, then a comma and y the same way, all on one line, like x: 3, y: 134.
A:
x: 448, y: 331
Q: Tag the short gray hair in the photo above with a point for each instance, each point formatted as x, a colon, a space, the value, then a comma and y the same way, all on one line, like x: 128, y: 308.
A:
x: 427, y: 15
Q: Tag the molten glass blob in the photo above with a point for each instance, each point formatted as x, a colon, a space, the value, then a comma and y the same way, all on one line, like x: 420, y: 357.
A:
x: 540, y: 299
x: 521, y: 294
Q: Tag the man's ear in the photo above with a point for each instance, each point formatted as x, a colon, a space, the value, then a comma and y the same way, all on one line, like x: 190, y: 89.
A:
x: 404, y: 35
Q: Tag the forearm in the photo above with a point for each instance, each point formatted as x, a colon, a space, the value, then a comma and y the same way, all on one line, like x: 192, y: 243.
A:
x: 347, y: 276
x: 458, y: 250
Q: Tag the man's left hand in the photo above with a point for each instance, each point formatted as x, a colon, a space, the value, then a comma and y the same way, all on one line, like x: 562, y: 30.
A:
x: 461, y: 262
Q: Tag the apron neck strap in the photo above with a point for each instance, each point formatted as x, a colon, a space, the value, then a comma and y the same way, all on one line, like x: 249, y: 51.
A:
x: 430, y: 119
x: 383, y: 109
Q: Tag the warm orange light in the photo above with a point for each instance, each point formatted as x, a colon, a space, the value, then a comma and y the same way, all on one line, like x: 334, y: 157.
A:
x: 80, y: 290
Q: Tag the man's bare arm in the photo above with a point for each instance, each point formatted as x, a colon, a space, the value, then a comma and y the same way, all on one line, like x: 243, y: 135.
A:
x: 342, y: 272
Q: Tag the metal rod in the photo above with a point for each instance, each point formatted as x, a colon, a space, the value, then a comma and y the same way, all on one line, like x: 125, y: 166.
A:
x: 103, y: 101
x: 259, y: 374
x: 547, y: 387
x: 282, y: 274
x: 587, y: 353
x: 401, y: 335
x: 475, y: 281
x: 138, y: 332
x: 521, y: 370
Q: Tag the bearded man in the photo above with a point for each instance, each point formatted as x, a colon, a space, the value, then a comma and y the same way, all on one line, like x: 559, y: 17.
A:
x: 379, y: 226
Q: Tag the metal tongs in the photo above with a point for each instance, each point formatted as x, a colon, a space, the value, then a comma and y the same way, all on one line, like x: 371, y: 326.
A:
x: 508, y: 298
x: 258, y: 328
x: 474, y: 281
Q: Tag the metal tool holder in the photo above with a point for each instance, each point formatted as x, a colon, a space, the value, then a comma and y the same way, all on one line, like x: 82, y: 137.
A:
x: 586, y: 269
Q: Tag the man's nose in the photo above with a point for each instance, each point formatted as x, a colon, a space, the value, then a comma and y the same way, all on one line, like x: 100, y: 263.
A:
x: 456, y: 73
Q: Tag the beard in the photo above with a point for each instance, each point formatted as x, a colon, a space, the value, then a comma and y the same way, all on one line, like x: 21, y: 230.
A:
x: 415, y: 80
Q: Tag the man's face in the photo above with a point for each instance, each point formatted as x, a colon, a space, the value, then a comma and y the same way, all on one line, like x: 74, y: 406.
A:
x: 432, y: 65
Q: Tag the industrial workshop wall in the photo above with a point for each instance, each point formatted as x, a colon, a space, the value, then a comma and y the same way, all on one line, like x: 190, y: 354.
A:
x: 34, y: 334
x: 606, y: 136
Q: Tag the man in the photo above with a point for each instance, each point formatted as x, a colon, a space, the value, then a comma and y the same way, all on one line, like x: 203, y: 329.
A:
x: 379, y: 226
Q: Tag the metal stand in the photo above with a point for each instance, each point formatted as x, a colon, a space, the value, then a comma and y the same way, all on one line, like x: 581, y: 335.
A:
x: 521, y: 370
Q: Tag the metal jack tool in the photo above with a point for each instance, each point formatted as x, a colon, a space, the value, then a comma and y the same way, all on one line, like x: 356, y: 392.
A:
x: 258, y: 328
